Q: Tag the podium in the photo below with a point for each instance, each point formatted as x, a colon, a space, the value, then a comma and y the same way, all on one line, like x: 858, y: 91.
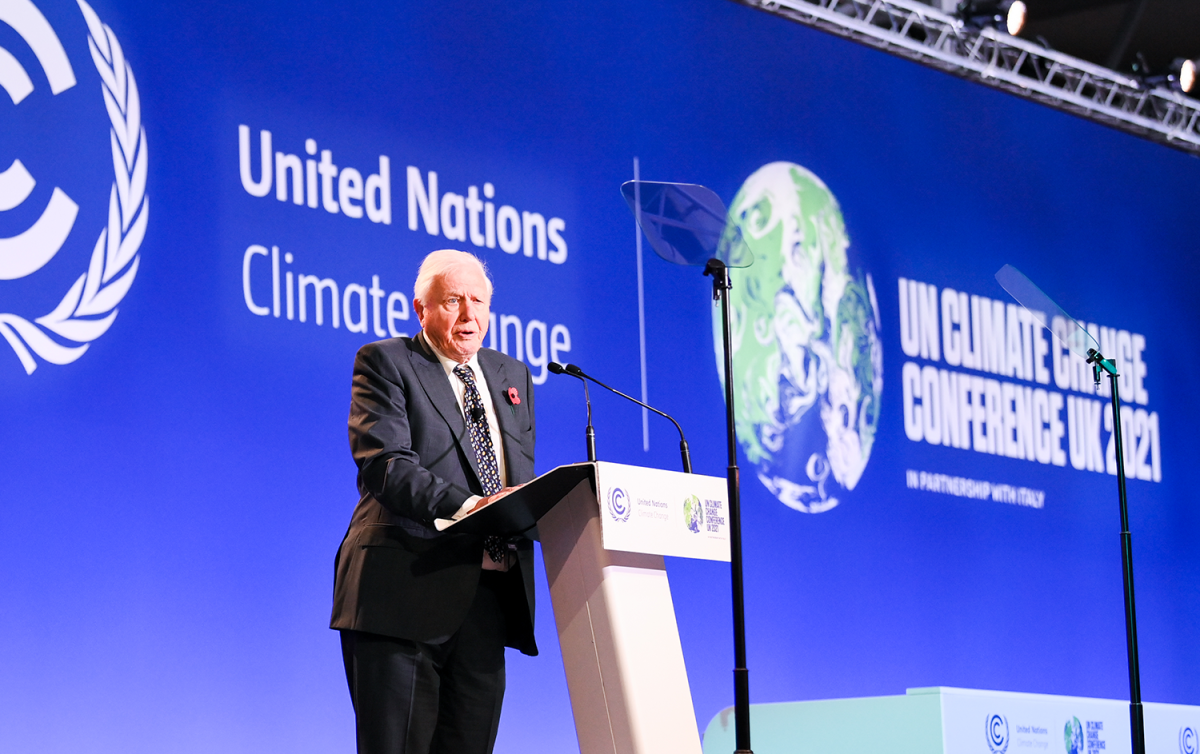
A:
x: 604, y: 530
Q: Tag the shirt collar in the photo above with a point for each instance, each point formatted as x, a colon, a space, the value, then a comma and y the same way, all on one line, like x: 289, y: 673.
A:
x: 448, y: 363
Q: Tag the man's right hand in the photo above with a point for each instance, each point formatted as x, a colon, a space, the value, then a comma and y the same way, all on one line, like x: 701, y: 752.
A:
x: 484, y: 502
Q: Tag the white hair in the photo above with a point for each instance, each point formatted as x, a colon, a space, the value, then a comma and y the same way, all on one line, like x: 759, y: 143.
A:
x: 439, y: 263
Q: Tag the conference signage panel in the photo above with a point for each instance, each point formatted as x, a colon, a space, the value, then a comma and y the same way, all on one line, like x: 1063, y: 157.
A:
x: 663, y: 512
x: 1032, y: 722
x: 943, y: 719
x: 1040, y: 722
x: 927, y: 475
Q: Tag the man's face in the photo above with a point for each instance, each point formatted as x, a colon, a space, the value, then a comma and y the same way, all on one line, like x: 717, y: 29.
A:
x: 455, y: 315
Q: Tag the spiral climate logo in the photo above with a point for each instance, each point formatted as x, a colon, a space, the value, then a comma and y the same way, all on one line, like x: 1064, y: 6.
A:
x: 618, y: 504
x: 1187, y: 740
x: 997, y: 733
x: 89, y: 306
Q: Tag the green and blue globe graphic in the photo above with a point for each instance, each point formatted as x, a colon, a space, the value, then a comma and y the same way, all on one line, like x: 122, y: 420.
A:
x: 693, y: 514
x: 808, y: 362
x: 1073, y: 736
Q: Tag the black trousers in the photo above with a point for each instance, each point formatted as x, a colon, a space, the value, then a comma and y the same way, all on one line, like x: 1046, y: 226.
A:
x: 440, y: 697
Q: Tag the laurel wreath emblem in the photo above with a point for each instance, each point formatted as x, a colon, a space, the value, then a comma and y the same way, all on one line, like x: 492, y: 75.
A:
x: 90, y: 306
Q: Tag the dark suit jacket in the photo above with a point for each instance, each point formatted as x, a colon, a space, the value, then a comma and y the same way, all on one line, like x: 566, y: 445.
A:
x: 395, y: 574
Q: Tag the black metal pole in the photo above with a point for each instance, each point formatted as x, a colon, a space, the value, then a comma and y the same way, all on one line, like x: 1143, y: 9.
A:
x: 1137, y: 727
x: 741, y: 676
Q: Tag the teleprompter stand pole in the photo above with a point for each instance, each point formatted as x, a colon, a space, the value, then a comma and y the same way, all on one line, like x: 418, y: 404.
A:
x: 1137, y: 727
x: 741, y: 676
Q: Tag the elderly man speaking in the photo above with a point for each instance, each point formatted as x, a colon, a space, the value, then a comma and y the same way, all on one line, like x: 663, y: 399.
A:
x: 439, y: 426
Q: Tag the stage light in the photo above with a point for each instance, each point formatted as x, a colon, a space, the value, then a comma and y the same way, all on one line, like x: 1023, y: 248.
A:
x: 1185, y: 71
x: 1181, y: 74
x: 1007, y: 14
x: 1015, y: 19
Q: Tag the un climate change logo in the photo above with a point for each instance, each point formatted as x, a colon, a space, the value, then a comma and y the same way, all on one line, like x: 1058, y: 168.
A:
x: 1187, y: 740
x: 618, y: 504
x: 808, y: 360
x: 997, y: 733
x: 90, y: 305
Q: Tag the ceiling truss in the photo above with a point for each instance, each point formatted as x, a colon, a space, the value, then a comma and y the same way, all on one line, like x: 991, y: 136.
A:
x: 931, y: 37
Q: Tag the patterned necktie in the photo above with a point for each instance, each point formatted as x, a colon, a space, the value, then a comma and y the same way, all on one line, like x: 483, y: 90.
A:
x: 485, y: 454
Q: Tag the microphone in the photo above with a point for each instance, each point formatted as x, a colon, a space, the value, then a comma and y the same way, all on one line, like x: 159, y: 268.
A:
x: 477, y: 413
x: 575, y: 371
x: 557, y: 368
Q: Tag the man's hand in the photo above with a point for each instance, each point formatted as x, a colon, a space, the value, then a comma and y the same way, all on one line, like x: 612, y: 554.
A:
x: 484, y: 502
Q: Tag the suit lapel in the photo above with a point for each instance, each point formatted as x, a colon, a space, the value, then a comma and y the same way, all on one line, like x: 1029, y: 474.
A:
x: 437, y: 387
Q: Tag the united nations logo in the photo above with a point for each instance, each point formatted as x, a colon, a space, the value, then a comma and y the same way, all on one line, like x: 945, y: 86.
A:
x: 1073, y: 736
x: 89, y: 307
x: 997, y: 733
x: 1187, y: 740
x: 693, y: 514
x: 618, y: 504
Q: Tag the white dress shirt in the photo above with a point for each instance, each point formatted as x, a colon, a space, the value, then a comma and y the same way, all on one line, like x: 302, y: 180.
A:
x: 460, y: 388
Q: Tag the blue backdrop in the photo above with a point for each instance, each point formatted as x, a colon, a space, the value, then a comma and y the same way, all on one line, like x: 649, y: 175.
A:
x: 173, y: 497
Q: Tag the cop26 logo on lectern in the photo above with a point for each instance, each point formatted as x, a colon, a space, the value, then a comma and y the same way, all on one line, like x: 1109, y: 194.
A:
x: 1073, y: 736
x: 808, y: 360
x: 693, y: 514
x: 61, y: 333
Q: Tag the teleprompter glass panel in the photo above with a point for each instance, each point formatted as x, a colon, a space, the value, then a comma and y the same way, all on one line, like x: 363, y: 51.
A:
x: 686, y: 223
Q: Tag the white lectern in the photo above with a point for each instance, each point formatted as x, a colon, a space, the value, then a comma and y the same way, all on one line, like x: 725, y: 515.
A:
x: 604, y: 529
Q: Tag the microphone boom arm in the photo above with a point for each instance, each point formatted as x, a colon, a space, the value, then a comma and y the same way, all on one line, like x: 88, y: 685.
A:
x: 575, y: 371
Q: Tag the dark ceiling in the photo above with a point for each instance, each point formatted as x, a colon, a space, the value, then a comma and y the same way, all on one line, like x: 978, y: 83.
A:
x: 1112, y: 33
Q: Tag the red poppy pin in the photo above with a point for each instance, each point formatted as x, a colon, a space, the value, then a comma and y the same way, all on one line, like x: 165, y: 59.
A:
x: 514, y: 398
